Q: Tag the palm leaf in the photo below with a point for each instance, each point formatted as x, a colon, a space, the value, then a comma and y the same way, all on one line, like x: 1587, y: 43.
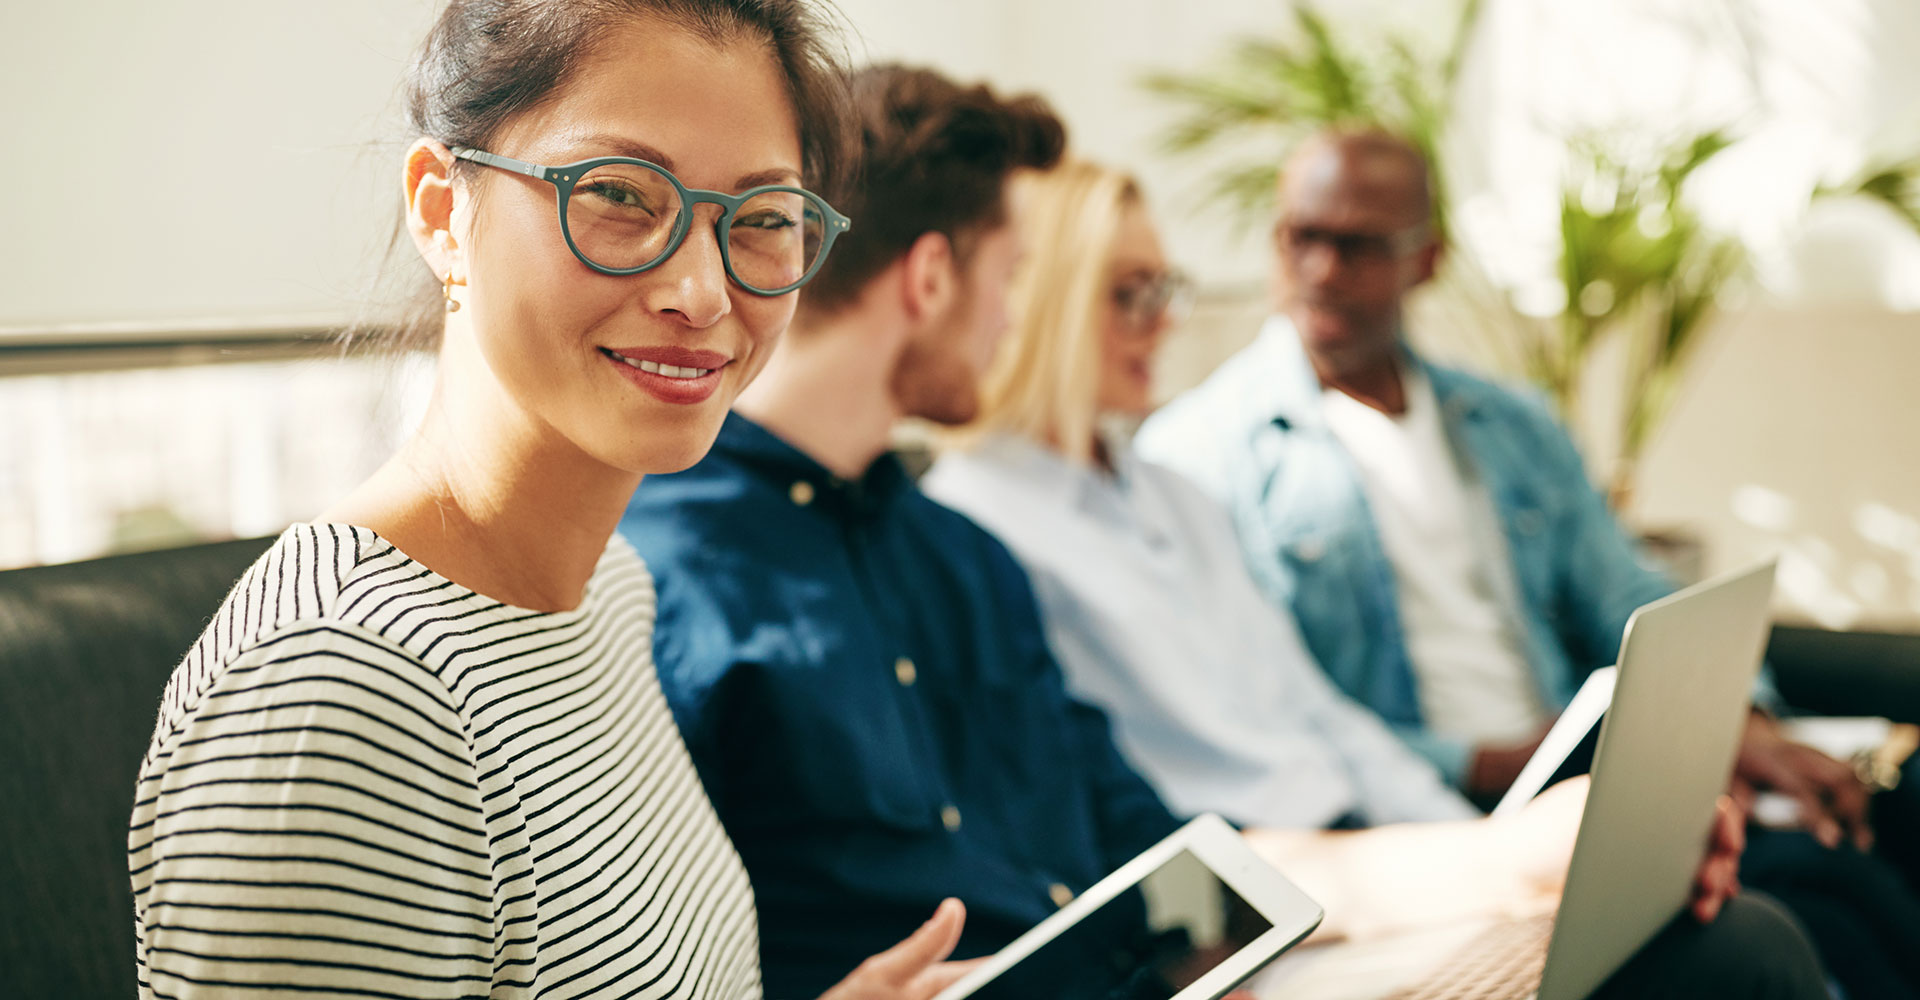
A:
x: 1895, y: 185
x: 1636, y: 261
x: 1247, y: 188
x: 1284, y: 89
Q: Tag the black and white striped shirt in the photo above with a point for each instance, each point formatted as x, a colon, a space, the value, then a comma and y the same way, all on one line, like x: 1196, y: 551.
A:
x: 368, y: 781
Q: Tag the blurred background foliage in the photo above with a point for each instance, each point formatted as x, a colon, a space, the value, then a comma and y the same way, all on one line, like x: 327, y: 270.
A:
x: 1638, y: 269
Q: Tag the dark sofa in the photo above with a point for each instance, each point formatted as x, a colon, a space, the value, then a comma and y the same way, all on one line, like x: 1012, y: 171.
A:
x: 1847, y: 673
x: 86, y: 648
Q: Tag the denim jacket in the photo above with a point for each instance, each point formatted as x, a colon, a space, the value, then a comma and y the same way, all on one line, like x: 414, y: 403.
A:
x: 1254, y: 436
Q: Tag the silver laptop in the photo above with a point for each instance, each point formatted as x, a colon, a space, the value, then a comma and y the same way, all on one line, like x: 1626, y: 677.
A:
x: 1666, y: 751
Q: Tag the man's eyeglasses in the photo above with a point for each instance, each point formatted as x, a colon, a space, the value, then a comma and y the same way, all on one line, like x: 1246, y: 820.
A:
x: 1143, y: 300
x: 1351, y: 247
x: 623, y: 216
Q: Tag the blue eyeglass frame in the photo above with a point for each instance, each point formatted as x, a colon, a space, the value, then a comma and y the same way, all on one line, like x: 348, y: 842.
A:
x: 564, y: 176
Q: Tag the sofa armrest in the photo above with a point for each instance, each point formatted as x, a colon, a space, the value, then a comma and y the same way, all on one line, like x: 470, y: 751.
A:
x: 1847, y: 673
x: 85, y: 651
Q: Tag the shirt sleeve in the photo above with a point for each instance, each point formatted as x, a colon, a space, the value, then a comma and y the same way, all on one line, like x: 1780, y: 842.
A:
x: 1395, y: 784
x: 1606, y: 576
x: 692, y: 654
x: 313, y: 824
x: 1177, y: 437
x: 1452, y: 757
x: 1131, y: 815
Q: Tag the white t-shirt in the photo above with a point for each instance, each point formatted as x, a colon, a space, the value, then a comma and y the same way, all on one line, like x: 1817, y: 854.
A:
x: 369, y: 780
x: 1450, y: 567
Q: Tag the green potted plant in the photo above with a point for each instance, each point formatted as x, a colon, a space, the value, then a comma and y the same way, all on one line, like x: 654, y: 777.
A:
x: 1636, y: 263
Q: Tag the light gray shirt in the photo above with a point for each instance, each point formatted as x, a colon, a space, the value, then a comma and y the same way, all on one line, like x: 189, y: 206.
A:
x: 1153, y: 616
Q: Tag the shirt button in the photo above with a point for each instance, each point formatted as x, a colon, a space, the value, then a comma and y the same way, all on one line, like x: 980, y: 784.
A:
x: 1061, y: 894
x: 904, y: 671
x: 1529, y: 522
x: 801, y: 493
x: 950, y: 818
x: 1309, y: 549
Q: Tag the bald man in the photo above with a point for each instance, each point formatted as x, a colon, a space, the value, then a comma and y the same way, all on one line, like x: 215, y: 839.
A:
x: 1435, y: 535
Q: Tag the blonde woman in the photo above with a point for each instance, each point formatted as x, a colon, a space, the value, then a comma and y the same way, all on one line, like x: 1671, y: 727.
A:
x: 1212, y: 694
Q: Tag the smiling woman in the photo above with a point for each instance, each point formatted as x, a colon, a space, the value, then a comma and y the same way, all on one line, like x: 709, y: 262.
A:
x: 421, y: 750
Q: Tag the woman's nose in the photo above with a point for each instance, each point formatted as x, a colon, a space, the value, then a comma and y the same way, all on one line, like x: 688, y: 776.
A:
x: 693, y: 284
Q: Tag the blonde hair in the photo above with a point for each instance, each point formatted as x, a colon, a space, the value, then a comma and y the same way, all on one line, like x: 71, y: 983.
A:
x: 1044, y: 382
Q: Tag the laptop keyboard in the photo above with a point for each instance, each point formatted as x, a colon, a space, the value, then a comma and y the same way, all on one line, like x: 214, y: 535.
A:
x: 1503, y: 963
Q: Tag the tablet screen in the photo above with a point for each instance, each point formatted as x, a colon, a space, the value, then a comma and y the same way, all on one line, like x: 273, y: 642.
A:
x: 1147, y: 943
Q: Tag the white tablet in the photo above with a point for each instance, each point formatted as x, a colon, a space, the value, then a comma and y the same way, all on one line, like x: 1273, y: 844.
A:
x: 1582, y: 714
x: 1193, y: 916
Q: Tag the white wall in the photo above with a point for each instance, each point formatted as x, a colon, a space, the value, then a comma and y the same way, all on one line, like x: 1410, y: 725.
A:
x: 187, y: 161
x: 1087, y: 58
x: 221, y: 163
x: 1799, y: 435
x: 212, y: 162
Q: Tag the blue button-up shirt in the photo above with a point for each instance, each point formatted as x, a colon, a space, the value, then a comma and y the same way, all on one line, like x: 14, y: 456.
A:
x: 862, y: 678
x: 1254, y: 436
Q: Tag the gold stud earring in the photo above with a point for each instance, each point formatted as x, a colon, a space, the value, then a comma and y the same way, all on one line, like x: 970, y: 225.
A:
x: 453, y: 305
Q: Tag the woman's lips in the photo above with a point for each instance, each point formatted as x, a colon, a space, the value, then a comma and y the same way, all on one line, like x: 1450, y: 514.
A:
x: 671, y: 374
x: 679, y: 357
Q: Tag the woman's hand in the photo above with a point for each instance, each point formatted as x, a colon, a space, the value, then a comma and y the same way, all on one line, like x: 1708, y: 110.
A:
x: 1536, y: 844
x: 912, y: 969
x: 1549, y: 824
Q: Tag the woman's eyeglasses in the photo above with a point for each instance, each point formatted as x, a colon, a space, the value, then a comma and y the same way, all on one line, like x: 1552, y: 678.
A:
x: 623, y: 216
x: 1143, y: 300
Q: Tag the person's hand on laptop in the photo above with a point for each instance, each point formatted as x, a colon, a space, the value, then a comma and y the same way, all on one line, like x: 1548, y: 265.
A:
x: 1402, y: 876
x: 1718, y: 879
x: 1833, y: 801
x: 1537, y: 842
x: 914, y: 969
x: 1540, y: 844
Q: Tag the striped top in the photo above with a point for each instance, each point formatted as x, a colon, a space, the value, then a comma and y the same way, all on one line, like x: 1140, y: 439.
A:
x: 368, y: 781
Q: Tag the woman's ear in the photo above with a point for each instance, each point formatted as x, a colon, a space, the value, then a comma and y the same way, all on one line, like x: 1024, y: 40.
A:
x: 932, y: 277
x: 429, y: 187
